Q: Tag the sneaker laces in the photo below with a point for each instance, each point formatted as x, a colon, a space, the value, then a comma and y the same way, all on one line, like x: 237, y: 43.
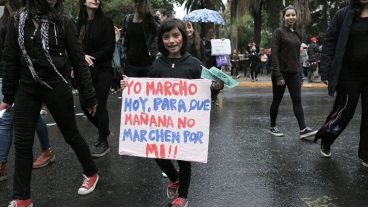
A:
x: 85, y: 183
x: 178, y: 201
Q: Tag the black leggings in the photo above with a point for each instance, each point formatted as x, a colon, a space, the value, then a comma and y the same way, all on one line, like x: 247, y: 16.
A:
x: 293, y: 82
x: 28, y: 102
x: 101, y: 81
x: 185, y: 172
x: 347, y: 98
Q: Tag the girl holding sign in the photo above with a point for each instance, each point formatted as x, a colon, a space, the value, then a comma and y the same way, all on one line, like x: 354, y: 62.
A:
x: 175, y: 62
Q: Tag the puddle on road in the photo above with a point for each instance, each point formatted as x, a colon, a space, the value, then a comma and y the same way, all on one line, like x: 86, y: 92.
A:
x: 324, y: 201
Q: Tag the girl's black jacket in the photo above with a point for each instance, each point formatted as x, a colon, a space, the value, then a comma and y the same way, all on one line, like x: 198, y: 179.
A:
x: 99, y: 42
x: 334, y: 46
x: 65, y: 41
x: 186, y: 67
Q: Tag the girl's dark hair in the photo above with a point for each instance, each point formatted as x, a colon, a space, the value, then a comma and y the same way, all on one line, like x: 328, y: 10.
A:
x: 83, y: 16
x: 197, y: 39
x: 356, y: 7
x: 42, y: 7
x: 164, y: 12
x: 14, y: 5
x: 167, y: 26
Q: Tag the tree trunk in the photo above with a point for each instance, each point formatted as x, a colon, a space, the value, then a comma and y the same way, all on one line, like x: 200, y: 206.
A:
x: 304, y: 16
x: 274, y: 18
x: 234, y: 23
x: 257, y: 17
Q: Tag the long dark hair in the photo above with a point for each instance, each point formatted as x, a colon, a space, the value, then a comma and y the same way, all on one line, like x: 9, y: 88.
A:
x: 357, y: 7
x: 167, y: 26
x: 196, y: 39
x: 14, y: 5
x: 83, y: 15
x: 98, y: 19
x: 42, y: 7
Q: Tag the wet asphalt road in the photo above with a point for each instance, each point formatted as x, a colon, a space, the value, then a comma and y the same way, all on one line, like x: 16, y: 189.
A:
x: 246, y: 166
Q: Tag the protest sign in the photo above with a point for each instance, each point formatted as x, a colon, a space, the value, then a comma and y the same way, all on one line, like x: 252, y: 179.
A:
x: 220, y: 47
x: 166, y: 119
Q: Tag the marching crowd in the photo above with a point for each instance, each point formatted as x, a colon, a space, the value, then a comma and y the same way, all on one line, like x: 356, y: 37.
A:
x: 44, y: 54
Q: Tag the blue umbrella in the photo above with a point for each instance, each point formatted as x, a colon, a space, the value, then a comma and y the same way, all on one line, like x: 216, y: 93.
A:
x: 204, y: 16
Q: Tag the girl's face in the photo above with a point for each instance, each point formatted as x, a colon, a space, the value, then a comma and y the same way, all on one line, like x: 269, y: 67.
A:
x: 290, y: 17
x: 173, y: 42
x: 92, y: 4
x: 52, y: 3
x: 190, y: 29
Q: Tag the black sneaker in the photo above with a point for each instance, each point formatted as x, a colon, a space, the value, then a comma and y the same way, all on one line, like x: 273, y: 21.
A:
x: 307, y: 132
x: 100, y: 149
x: 325, y: 150
x: 275, y: 132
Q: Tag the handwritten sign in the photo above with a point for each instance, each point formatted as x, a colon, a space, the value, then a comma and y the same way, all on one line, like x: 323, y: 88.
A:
x: 220, y: 47
x: 166, y: 119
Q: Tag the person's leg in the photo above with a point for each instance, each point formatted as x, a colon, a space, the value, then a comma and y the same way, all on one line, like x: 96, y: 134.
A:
x: 6, y: 137
x: 26, y: 112
x: 168, y: 168
x: 185, y: 172
x: 293, y: 83
x: 6, y: 134
x: 347, y: 97
x: 363, y: 144
x: 47, y: 155
x: 278, y: 93
x: 43, y: 134
x: 59, y: 101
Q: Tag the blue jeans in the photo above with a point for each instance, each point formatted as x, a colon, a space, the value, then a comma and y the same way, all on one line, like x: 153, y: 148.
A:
x: 6, y: 132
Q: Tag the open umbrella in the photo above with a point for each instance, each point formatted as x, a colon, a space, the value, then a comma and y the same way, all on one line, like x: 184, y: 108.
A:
x: 205, y: 16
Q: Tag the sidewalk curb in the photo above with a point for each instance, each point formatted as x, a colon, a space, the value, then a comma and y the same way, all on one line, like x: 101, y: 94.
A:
x: 267, y: 84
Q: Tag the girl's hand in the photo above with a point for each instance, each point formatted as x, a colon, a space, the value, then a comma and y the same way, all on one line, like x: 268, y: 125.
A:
x: 89, y: 59
x: 92, y: 110
x: 281, y: 82
x: 4, y: 106
x: 123, y: 82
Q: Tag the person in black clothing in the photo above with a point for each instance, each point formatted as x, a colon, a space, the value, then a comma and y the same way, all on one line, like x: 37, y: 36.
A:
x: 254, y: 61
x: 287, y: 72
x: 344, y: 69
x: 234, y: 59
x: 97, y: 35
x: 139, y: 32
x: 37, y: 40
x: 172, y: 45
x: 313, y: 58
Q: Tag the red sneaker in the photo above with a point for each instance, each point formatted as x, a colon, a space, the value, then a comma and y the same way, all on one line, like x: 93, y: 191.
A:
x: 21, y: 203
x: 179, y: 202
x: 88, y: 185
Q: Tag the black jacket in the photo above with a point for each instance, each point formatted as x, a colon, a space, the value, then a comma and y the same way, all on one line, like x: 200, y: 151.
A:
x: 285, y: 51
x: 334, y: 46
x: 186, y: 67
x: 101, y: 43
x: 150, y: 33
x: 65, y: 41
